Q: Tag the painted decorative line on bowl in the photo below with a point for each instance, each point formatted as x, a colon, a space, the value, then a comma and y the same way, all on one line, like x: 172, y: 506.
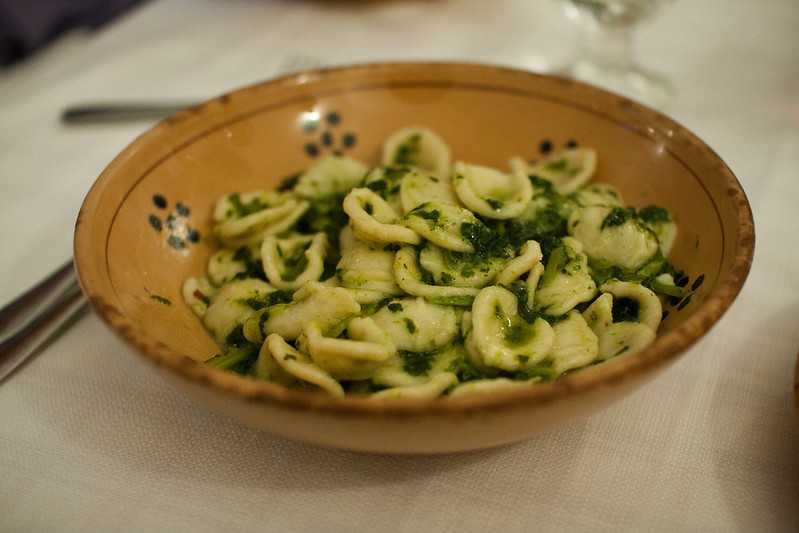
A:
x: 175, y: 224
x: 327, y: 140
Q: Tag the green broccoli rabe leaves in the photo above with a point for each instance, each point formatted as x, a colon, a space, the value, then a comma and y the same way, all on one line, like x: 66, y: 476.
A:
x: 295, y: 261
x: 238, y: 359
x: 253, y: 266
x: 240, y: 355
x: 626, y: 310
x: 562, y: 260
x: 325, y: 214
x: 482, y: 238
x: 465, y: 370
x: 389, y: 184
x: 416, y: 363
x: 646, y: 275
x: 408, y: 152
x: 244, y: 209
x: 547, y: 225
x: 618, y: 216
x: 272, y: 298
x: 653, y: 214
x: 542, y: 371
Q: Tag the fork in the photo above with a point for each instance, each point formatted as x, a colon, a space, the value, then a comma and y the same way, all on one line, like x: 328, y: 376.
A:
x: 117, y: 112
x: 36, y: 316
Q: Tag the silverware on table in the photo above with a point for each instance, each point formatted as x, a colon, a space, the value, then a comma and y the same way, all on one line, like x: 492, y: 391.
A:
x: 132, y: 111
x: 36, y: 316
x: 112, y: 112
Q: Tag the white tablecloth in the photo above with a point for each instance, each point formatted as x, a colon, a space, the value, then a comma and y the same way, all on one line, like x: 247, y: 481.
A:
x: 92, y: 440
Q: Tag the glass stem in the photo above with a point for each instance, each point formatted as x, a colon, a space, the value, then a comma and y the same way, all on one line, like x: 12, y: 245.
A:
x: 608, y: 48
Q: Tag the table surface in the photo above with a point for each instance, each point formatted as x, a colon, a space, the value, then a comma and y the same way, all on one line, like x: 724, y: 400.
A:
x: 92, y: 439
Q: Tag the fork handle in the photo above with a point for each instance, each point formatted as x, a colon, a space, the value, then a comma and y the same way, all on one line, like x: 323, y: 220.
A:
x: 121, y: 112
x: 36, y: 316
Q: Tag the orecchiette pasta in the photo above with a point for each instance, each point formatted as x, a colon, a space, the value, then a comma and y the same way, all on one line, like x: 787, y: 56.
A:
x: 566, y: 170
x: 246, y: 219
x: 491, y: 193
x: 292, y: 261
x: 373, y: 220
x: 422, y: 277
x: 419, y: 148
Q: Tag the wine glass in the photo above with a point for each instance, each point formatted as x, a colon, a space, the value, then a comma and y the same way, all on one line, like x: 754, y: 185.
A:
x: 604, y: 52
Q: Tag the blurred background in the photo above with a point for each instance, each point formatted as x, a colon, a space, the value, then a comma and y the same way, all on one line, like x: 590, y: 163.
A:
x: 28, y: 25
x: 73, y: 458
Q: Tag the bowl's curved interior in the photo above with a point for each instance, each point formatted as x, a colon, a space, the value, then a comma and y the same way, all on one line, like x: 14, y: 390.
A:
x: 145, y: 225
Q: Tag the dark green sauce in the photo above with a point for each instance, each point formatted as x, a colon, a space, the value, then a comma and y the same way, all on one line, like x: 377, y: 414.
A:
x: 416, y: 363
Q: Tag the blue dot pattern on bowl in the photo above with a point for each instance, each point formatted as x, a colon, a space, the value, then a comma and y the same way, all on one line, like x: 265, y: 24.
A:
x: 328, y: 138
x: 173, y: 224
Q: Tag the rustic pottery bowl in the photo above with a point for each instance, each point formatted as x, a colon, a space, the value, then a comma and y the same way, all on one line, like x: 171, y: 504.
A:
x: 145, y: 227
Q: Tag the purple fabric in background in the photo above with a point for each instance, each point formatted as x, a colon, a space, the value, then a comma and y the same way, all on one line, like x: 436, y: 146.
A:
x: 27, y: 25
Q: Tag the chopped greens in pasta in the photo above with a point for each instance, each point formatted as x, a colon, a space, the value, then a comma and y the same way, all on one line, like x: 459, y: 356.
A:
x: 423, y: 277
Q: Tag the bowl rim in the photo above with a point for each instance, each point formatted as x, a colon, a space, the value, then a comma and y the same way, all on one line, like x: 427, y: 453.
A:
x: 666, y: 348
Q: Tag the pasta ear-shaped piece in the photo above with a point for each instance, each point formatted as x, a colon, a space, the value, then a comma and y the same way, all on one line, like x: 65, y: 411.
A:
x: 237, y: 205
x: 600, y: 194
x: 330, y: 176
x: 291, y: 262
x: 531, y: 283
x: 419, y: 187
x: 500, y: 338
x: 529, y: 255
x: 365, y: 297
x: 266, y: 367
x: 491, y: 193
x: 576, y: 344
x: 649, y: 308
x: 661, y: 222
x: 269, y: 220
x: 316, y: 303
x: 442, y: 224
x: 300, y: 366
x: 408, y: 276
x: 345, y: 359
x: 473, y: 355
x: 347, y: 239
x: 666, y: 234
x: 373, y: 220
x: 527, y: 262
x: 458, y: 270
x: 416, y: 325
x: 432, y: 388
x: 387, y: 183
x: 197, y: 293
x: 365, y: 329
x: 615, y: 338
x: 228, y: 264
x: 611, y: 236
x: 396, y: 373
x: 364, y: 267
x: 230, y: 306
x: 566, y: 281
x: 487, y: 387
x: 417, y: 147
x: 567, y: 169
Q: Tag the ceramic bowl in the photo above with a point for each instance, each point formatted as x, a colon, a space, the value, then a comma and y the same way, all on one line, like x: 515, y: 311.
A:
x: 145, y: 227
